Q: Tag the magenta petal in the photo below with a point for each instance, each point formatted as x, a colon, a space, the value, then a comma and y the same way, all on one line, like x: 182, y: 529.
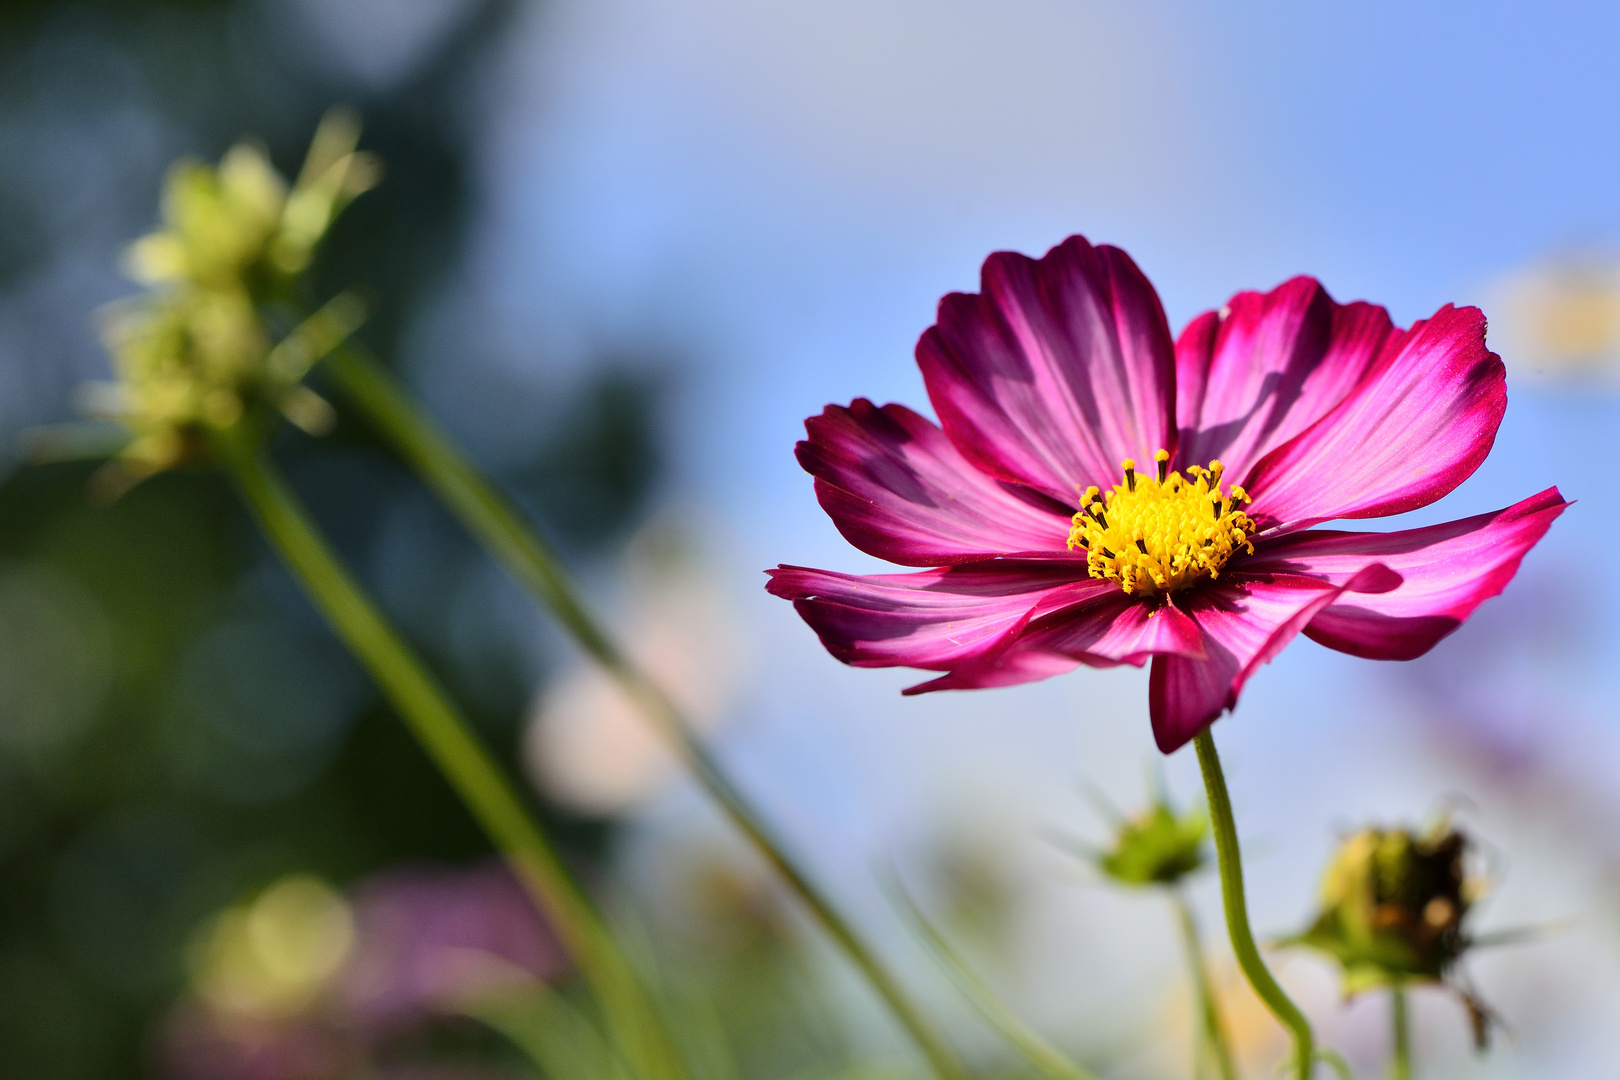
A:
x: 1140, y: 631
x: 935, y: 619
x: 1447, y: 571
x: 1009, y: 668
x: 1246, y: 620
x: 1267, y: 367
x: 1416, y: 426
x: 1056, y: 371
x: 896, y: 488
x: 1098, y: 627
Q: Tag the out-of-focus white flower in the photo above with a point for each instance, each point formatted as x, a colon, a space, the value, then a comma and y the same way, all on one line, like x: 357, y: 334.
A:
x: 588, y: 746
x: 1559, y: 319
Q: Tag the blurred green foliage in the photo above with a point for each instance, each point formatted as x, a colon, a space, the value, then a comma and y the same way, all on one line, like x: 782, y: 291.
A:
x: 176, y: 726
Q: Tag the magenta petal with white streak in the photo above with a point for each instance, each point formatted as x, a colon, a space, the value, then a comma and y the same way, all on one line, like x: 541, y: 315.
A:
x: 896, y: 488
x: 1057, y: 371
x: 1096, y: 630
x: 1447, y: 571
x: 933, y: 619
x: 1416, y: 426
x: 1267, y: 367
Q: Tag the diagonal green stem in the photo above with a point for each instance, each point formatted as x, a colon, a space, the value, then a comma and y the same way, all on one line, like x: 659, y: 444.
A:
x: 463, y: 760
x: 1044, y: 1058
x: 500, y: 526
x: 1237, y: 909
x: 1400, y: 1062
x: 1214, y: 1030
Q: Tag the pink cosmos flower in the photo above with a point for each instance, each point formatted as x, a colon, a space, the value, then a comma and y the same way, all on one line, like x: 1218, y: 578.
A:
x: 1048, y: 547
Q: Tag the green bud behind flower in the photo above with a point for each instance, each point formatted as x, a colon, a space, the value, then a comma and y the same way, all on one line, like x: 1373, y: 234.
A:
x: 213, y: 339
x: 1160, y: 847
x: 218, y: 223
x: 1393, y: 906
x: 1157, y: 846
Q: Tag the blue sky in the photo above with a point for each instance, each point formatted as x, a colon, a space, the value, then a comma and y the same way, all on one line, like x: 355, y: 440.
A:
x: 784, y: 191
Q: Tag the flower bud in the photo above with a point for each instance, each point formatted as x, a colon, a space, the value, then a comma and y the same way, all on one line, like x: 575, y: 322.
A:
x: 216, y: 337
x: 1393, y: 906
x: 1156, y: 847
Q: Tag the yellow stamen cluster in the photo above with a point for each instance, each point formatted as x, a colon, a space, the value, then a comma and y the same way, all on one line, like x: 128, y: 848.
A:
x: 1157, y: 534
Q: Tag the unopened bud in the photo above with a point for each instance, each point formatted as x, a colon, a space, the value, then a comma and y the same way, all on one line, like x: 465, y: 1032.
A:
x: 1156, y: 847
x: 210, y: 344
x: 1393, y: 906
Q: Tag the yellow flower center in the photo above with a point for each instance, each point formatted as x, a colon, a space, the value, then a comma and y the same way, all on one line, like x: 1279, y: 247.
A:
x: 1157, y: 535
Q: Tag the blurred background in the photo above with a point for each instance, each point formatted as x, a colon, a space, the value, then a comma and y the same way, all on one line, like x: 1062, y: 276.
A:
x: 622, y: 249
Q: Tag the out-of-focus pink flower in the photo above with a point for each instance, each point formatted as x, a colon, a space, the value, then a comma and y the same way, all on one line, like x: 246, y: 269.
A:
x: 200, y: 1044
x: 1049, y: 546
x: 426, y: 943
x: 431, y: 941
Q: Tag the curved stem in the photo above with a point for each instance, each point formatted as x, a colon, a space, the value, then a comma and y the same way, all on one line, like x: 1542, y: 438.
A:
x: 500, y: 526
x: 1400, y: 1062
x: 1213, y: 1029
x: 1237, y: 910
x: 459, y: 755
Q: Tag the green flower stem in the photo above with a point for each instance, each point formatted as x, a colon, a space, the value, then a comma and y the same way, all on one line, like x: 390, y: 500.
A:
x: 1400, y: 1062
x: 1213, y: 1030
x: 1237, y: 911
x: 500, y: 526
x: 463, y: 760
